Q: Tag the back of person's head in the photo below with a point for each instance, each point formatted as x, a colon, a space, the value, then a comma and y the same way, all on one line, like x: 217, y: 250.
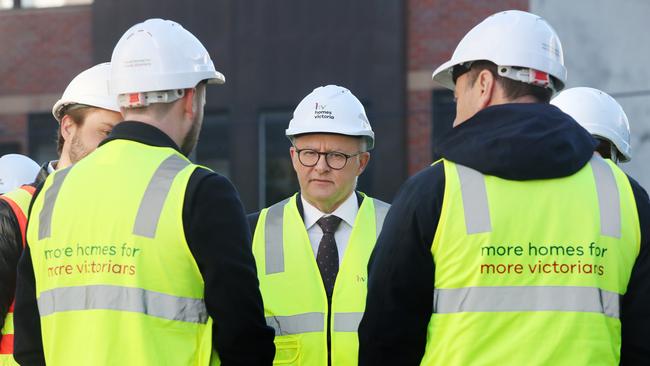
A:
x: 16, y: 170
x: 512, y: 89
x: 160, y: 71
x: 602, y: 116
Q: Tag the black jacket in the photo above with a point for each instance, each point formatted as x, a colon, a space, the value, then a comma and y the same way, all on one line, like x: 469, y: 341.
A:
x: 219, y: 239
x: 11, y: 245
x: 513, y: 141
x: 10, y: 248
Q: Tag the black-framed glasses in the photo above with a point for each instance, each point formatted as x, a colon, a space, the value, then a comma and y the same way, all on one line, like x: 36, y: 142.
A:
x: 334, y: 159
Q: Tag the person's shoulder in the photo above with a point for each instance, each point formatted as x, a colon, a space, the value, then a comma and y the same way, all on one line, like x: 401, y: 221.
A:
x: 8, y: 218
x: 642, y: 201
x: 423, y: 191
x: 637, y: 188
x: 204, y: 178
x: 427, y: 179
x: 252, y: 219
x: 256, y: 214
x: 5, y: 207
x: 209, y: 193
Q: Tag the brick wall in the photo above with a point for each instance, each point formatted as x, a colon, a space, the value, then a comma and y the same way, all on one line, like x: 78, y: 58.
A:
x: 13, y: 129
x: 434, y: 28
x: 42, y: 50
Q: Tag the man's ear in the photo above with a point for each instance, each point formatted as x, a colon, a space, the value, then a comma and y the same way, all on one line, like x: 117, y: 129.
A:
x: 486, y: 82
x: 68, y: 127
x: 188, y: 103
x: 364, y: 159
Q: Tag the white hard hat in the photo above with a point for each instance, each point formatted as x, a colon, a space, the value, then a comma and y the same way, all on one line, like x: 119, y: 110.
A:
x: 160, y: 55
x: 600, y: 114
x: 89, y: 88
x: 16, y: 170
x: 331, y: 109
x: 511, y: 38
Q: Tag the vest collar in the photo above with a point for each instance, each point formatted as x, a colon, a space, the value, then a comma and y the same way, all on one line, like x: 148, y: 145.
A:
x: 141, y: 132
x: 301, y: 209
x: 347, y: 211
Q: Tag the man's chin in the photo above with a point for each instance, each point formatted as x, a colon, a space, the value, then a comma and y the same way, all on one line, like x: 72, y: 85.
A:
x: 321, y: 195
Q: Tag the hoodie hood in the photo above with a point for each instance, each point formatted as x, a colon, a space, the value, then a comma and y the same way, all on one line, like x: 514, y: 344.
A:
x: 520, y: 141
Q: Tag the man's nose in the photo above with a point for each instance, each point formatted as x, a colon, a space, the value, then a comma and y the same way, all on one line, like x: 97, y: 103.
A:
x: 321, y: 165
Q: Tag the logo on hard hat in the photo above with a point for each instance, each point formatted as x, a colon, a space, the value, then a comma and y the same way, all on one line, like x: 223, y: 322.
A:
x: 137, y: 63
x: 320, y: 112
x: 553, y: 48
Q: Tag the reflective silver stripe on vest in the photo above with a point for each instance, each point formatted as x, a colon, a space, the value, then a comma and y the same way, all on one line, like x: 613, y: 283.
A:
x: 273, y: 236
x: 273, y: 248
x: 381, y: 209
x: 296, y: 324
x: 122, y: 299
x: 608, y: 198
x: 347, y: 322
x: 45, y: 216
x: 475, y: 200
x: 526, y: 298
x: 146, y: 222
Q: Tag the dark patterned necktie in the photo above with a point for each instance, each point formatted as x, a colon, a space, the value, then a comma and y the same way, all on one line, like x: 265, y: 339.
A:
x: 327, y: 256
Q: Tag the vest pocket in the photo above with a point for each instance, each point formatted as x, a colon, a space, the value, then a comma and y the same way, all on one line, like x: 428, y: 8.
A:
x: 287, y: 351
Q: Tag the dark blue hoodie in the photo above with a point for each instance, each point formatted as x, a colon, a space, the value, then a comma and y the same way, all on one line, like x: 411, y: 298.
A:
x: 511, y: 141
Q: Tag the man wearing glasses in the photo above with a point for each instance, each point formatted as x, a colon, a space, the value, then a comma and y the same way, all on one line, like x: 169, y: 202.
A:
x: 312, y: 249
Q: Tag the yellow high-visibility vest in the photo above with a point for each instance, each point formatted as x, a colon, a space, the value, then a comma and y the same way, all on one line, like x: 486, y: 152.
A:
x: 532, y: 272
x: 295, y: 303
x: 115, y: 280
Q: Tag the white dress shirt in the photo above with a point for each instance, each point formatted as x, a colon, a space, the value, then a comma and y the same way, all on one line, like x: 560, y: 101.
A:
x: 347, y: 211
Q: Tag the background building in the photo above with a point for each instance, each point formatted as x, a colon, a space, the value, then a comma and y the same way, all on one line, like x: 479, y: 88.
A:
x: 274, y: 53
x: 606, y: 46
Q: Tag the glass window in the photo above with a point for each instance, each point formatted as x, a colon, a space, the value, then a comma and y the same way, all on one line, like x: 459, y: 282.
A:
x: 6, y: 4
x: 43, y: 131
x: 213, y: 149
x: 443, y: 112
x: 277, y: 179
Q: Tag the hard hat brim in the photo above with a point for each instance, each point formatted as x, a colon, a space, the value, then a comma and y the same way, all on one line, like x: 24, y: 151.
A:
x: 442, y: 75
x: 370, y: 137
x: 218, y: 79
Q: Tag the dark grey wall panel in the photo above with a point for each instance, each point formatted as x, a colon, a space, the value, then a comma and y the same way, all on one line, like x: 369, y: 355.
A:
x: 275, y: 52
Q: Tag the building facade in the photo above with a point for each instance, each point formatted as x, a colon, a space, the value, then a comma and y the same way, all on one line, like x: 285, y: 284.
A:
x: 275, y: 53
